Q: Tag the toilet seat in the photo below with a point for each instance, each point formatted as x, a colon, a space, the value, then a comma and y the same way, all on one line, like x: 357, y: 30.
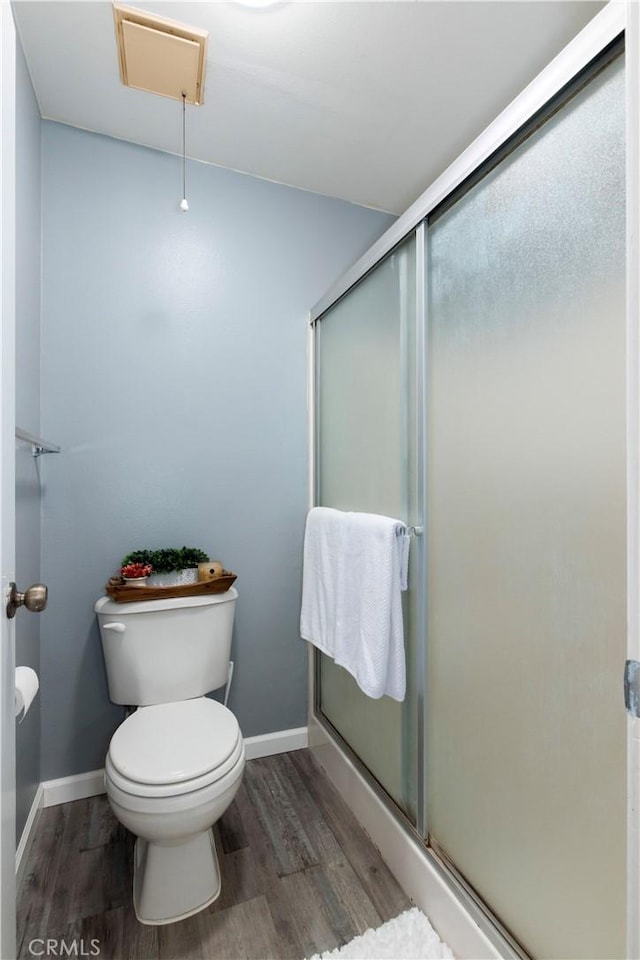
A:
x: 170, y: 749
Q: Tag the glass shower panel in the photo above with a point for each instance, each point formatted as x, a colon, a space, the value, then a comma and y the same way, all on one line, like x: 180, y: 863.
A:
x: 526, y: 532
x: 366, y: 462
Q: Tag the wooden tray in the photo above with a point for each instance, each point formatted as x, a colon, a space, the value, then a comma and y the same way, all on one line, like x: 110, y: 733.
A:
x: 120, y: 591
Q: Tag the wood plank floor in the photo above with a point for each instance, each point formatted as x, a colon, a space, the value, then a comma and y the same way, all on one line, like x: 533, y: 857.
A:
x: 299, y: 876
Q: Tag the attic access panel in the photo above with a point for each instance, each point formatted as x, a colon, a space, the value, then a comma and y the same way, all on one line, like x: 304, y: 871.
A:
x: 160, y: 56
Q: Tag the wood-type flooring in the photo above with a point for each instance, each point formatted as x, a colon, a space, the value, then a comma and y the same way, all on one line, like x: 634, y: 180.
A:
x: 299, y: 876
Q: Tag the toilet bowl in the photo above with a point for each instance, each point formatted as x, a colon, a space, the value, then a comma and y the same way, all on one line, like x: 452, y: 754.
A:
x: 171, y: 772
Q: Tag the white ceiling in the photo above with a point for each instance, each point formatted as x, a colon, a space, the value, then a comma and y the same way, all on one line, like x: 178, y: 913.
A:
x: 366, y: 101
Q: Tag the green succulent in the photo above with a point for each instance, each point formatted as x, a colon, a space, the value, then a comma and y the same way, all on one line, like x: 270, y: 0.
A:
x: 167, y: 559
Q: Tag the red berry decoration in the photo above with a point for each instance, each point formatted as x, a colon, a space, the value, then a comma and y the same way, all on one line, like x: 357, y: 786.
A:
x: 133, y: 571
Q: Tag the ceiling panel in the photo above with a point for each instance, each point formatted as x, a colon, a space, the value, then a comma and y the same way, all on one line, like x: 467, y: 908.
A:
x: 366, y: 101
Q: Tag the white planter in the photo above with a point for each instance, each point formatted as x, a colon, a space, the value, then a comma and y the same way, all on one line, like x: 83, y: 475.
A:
x: 177, y: 578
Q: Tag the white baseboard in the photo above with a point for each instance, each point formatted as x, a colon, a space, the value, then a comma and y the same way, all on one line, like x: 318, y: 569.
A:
x: 90, y: 784
x: 28, y: 833
x: 77, y: 787
x: 282, y: 741
x: 406, y: 857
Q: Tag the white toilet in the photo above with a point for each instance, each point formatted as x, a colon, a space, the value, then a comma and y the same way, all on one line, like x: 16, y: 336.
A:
x: 175, y: 764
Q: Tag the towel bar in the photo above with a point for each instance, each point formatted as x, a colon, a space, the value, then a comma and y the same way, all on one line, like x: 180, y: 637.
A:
x: 38, y: 445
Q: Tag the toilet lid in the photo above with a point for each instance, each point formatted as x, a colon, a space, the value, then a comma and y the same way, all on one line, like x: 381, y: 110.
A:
x: 174, y: 742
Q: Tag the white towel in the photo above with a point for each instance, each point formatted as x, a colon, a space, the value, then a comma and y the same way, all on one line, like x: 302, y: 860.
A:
x: 355, y: 565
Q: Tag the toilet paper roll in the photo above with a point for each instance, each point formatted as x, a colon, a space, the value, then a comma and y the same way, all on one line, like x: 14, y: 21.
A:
x: 210, y: 570
x: 27, y: 685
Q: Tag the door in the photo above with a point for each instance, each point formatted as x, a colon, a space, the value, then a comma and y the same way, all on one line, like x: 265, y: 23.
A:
x: 526, y: 519
x: 7, y: 480
x: 366, y: 345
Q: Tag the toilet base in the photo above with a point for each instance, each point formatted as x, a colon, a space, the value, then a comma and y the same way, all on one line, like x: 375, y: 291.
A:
x: 174, y: 881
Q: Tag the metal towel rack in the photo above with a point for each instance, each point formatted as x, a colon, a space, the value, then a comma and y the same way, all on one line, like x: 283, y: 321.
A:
x: 406, y: 531
x: 38, y: 445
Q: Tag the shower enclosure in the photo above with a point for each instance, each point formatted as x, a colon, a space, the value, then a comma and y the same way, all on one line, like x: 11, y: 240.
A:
x: 470, y: 379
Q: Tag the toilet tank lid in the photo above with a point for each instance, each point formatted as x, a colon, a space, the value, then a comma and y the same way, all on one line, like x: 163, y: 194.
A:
x: 112, y: 607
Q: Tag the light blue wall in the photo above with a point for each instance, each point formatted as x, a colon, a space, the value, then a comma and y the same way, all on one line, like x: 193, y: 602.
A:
x: 27, y: 417
x: 174, y: 377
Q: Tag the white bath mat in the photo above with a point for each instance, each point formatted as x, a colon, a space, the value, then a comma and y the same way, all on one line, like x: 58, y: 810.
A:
x: 407, y: 937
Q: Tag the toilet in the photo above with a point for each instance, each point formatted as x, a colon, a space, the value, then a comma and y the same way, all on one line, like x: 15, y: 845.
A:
x: 175, y: 764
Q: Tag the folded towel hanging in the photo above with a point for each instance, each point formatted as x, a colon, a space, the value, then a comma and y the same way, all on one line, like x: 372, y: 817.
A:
x: 355, y: 567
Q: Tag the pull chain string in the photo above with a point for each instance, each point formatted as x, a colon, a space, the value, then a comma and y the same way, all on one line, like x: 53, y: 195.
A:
x: 184, y: 206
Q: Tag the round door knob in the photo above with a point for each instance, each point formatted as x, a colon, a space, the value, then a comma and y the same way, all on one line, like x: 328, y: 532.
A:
x: 34, y: 598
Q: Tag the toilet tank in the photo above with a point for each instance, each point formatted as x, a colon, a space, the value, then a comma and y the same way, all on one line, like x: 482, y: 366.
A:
x: 157, y: 651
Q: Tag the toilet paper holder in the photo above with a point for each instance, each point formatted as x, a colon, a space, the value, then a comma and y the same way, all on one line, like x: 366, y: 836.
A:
x: 34, y: 598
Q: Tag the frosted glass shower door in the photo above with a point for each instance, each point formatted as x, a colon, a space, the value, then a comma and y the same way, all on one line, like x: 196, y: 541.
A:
x: 366, y: 353
x: 526, y: 526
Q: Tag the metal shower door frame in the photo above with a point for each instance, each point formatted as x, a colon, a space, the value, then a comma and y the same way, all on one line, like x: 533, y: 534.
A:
x: 616, y: 19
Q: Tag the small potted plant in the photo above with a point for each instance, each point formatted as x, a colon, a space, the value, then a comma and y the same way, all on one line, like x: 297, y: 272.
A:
x: 172, y: 566
x: 135, y: 574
